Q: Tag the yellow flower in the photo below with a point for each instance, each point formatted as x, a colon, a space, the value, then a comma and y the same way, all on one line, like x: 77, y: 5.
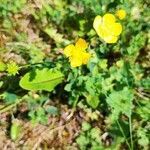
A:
x: 121, y: 14
x: 77, y: 54
x: 12, y: 68
x: 107, y: 28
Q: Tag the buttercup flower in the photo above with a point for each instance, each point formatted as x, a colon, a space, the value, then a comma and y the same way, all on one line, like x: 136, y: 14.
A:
x: 107, y: 28
x: 121, y: 14
x: 77, y: 54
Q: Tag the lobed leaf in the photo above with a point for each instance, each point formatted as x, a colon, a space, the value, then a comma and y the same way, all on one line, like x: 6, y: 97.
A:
x: 44, y: 79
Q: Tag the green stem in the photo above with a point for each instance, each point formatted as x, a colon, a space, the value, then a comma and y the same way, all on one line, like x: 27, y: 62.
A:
x: 123, y: 134
x: 28, y: 65
x: 75, y: 102
x: 131, y: 137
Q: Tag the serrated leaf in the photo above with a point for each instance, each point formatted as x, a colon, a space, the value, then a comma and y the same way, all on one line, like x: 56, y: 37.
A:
x: 86, y: 126
x: 44, y: 79
x: 52, y: 110
x: 95, y: 133
x: 120, y: 102
x: 82, y: 140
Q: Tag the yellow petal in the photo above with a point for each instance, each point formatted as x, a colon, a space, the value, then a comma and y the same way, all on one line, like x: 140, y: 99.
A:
x: 111, y: 39
x: 101, y: 31
x: 68, y: 50
x: 116, y: 29
x: 109, y: 18
x: 75, y: 61
x: 121, y: 14
x: 85, y: 58
x: 76, y: 58
x: 104, y: 31
x: 81, y: 44
x: 97, y: 22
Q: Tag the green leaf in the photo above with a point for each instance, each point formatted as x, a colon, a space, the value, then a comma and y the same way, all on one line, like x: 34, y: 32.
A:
x: 92, y: 100
x: 2, y: 66
x: 1, y: 83
x: 120, y: 102
x: 44, y: 79
x: 52, y: 110
x: 9, y: 98
x: 15, y: 130
x: 95, y: 134
x: 68, y: 87
x: 143, y: 138
x: 103, y: 64
x: 143, y: 110
x: 145, y: 83
x: 86, y: 126
x: 82, y: 140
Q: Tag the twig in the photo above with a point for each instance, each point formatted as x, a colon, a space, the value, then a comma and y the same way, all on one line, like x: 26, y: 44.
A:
x: 141, y: 96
